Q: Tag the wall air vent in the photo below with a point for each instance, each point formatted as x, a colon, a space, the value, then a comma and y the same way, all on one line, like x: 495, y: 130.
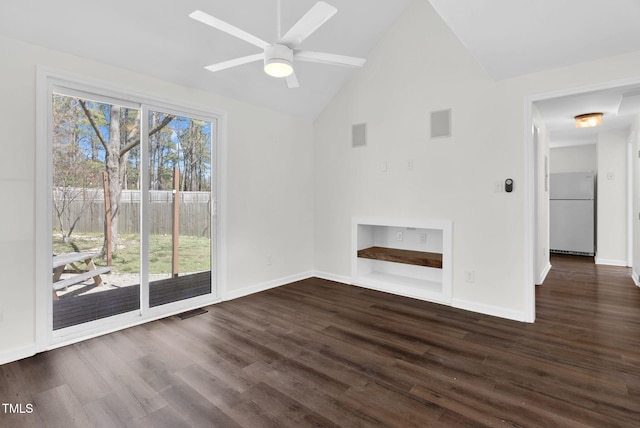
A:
x: 441, y: 123
x: 359, y: 135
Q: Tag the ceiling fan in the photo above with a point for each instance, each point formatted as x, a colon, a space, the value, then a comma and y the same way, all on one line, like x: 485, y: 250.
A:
x: 279, y: 57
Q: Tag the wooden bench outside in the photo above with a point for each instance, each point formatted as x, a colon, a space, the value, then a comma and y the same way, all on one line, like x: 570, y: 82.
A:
x: 81, y: 277
x: 61, y: 261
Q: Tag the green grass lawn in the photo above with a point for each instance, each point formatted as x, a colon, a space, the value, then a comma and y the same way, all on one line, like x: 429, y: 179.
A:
x: 194, y: 252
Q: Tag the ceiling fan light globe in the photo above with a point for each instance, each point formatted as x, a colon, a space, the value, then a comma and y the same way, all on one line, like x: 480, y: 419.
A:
x: 278, y: 67
x: 278, y: 60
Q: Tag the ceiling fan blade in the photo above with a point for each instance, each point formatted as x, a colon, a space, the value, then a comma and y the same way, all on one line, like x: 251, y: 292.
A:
x: 310, y: 22
x: 292, y: 81
x: 234, y: 62
x: 327, y: 58
x: 207, y: 19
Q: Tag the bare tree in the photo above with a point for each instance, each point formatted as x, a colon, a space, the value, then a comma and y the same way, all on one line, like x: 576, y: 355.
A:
x: 69, y: 205
x: 196, y: 154
x: 74, y: 174
x: 117, y: 146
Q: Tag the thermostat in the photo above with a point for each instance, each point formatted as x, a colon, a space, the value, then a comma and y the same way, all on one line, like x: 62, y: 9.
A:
x: 508, y: 185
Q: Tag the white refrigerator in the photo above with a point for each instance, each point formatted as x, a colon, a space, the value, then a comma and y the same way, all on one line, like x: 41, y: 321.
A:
x: 572, y: 213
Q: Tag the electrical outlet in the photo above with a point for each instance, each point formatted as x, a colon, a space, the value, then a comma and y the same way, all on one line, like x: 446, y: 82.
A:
x: 399, y: 236
x: 423, y: 238
x: 469, y: 276
x: 384, y: 166
x: 410, y: 164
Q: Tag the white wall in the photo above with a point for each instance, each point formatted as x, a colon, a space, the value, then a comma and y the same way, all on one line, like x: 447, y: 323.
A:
x: 612, y: 199
x: 574, y: 159
x: 270, y: 201
x: 420, y: 66
x: 634, y: 137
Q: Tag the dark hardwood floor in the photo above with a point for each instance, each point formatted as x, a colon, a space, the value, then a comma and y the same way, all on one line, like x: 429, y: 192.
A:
x: 317, y: 353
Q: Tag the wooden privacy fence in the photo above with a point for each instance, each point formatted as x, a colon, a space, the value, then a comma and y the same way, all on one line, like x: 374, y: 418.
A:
x: 195, y: 211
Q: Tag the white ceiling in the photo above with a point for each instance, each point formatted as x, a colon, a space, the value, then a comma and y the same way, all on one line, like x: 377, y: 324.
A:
x: 620, y: 106
x: 516, y: 37
x: 155, y: 37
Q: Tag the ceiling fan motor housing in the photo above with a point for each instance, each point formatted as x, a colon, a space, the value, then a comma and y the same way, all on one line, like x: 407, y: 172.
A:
x: 278, y: 60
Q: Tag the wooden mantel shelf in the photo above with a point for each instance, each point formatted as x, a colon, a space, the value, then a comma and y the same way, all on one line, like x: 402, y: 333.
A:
x: 419, y: 258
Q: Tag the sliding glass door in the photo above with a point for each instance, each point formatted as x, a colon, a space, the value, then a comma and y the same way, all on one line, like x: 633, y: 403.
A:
x: 133, y: 201
x: 96, y: 232
x: 179, y: 209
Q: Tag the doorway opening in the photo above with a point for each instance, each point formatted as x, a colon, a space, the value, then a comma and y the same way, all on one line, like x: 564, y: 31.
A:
x: 604, y: 151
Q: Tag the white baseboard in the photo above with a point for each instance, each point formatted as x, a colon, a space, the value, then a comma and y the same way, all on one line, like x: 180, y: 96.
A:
x: 490, y: 310
x: 27, y: 351
x: 456, y: 303
x: 17, y: 354
x: 636, y: 278
x: 331, y: 277
x: 246, y: 291
x: 608, y: 262
x: 544, y: 274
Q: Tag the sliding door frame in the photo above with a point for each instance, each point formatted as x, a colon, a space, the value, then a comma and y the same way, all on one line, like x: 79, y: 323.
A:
x: 52, y: 81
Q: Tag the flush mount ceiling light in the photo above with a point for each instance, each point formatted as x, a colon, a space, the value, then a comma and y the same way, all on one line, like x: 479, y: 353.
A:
x: 588, y: 120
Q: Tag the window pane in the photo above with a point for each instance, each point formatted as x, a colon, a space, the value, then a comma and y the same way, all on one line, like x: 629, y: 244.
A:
x: 95, y: 233
x: 180, y: 208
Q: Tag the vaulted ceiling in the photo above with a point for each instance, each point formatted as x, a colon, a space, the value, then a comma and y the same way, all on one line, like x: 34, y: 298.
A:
x: 156, y: 37
x: 516, y: 37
